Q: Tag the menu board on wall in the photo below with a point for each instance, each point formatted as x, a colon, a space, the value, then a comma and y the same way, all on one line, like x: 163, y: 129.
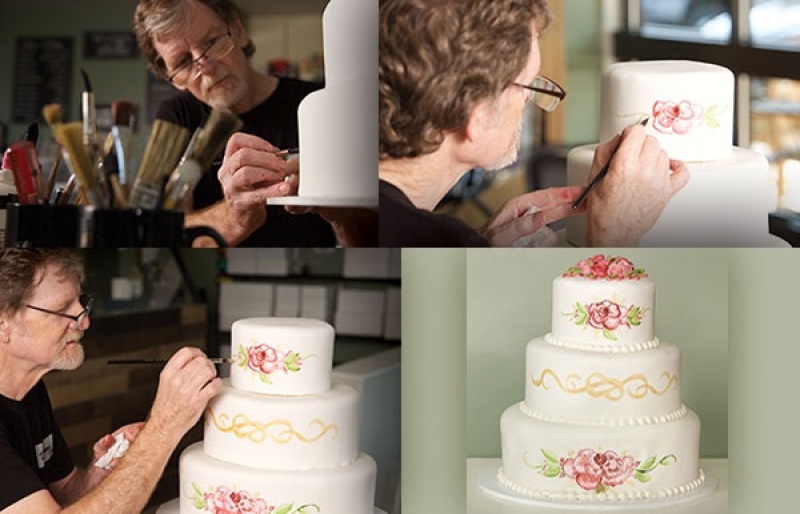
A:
x: 42, y: 75
x: 110, y: 45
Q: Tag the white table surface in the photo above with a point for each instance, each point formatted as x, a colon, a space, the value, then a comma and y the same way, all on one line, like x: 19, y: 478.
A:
x: 478, y: 502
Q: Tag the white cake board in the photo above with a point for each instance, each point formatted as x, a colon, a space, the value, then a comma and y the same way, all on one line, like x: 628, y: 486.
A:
x: 486, y: 494
x: 308, y: 201
x: 174, y: 508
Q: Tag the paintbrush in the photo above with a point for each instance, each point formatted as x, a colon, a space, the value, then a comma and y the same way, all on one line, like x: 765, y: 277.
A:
x: 206, y: 144
x: 52, y: 115
x: 89, y: 111
x: 121, y: 111
x: 32, y: 133
x: 215, y: 360
x: 69, y: 137
x: 600, y: 175
x: 162, y: 152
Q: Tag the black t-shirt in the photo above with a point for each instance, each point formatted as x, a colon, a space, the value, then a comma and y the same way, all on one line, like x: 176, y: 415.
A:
x: 33, y: 453
x: 275, y: 119
x: 404, y: 225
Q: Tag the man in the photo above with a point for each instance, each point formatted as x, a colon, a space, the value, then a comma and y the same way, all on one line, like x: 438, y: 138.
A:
x: 454, y: 77
x: 43, y: 317
x: 201, y: 47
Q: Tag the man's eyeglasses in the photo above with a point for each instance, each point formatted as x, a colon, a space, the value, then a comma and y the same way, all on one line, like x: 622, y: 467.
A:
x: 86, y: 302
x: 545, y: 93
x: 188, y: 69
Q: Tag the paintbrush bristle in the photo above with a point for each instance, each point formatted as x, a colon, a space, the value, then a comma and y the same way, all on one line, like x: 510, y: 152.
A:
x: 70, y: 136
x: 87, y: 86
x: 211, y: 140
x: 121, y: 111
x: 52, y: 114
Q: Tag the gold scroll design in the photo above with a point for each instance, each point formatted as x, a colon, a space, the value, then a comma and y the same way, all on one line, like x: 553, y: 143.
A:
x: 279, y: 430
x: 598, y: 385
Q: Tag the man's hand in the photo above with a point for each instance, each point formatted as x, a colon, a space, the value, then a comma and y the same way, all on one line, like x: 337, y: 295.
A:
x: 187, y: 382
x: 250, y: 173
x: 514, y: 221
x: 640, y: 182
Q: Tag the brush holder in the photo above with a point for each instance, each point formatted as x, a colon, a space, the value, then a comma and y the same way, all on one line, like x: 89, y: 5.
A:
x: 91, y: 227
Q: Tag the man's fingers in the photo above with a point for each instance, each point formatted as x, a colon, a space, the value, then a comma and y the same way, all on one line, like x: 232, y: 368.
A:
x: 680, y: 175
x: 241, y: 140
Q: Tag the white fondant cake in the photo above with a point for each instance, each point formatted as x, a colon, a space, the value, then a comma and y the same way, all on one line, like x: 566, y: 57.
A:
x: 282, y: 355
x: 602, y: 418
x: 690, y: 106
x: 338, y: 125
x: 278, y: 438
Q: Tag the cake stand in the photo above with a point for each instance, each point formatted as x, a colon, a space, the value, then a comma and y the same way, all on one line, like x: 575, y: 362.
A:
x: 309, y: 201
x: 485, y: 494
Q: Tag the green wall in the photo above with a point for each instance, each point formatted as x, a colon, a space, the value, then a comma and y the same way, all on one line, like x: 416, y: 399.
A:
x: 111, y: 80
x: 582, y: 43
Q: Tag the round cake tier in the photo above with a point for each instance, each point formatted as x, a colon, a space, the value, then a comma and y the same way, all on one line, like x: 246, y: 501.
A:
x: 597, y: 463
x: 690, y: 106
x: 283, y: 432
x: 603, y: 315
x: 700, y: 214
x: 291, y: 356
x: 339, y: 490
x: 577, y: 386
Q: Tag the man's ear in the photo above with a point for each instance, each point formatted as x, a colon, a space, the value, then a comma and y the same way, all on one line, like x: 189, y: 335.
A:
x: 478, y: 122
x: 239, y: 33
x: 5, y: 328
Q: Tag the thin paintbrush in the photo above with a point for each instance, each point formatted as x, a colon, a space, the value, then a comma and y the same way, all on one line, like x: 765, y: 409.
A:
x: 121, y: 112
x: 89, y: 110
x: 600, y: 175
x: 216, y: 360
x: 52, y: 115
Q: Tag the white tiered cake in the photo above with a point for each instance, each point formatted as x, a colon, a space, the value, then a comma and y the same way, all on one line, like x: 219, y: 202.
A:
x: 278, y: 438
x: 602, y: 418
x: 691, y: 107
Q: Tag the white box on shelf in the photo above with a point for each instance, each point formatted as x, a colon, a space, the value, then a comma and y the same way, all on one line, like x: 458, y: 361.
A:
x: 366, y: 263
x: 360, y: 301
x: 359, y: 325
x: 287, y: 301
x: 241, y: 261
x: 273, y: 261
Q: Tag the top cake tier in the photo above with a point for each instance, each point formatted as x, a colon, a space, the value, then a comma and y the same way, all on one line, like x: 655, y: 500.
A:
x: 690, y: 106
x: 285, y: 356
x: 603, y: 303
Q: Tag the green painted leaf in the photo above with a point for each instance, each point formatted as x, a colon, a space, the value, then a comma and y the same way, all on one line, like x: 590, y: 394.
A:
x: 711, y: 116
x: 264, y: 378
x: 552, y: 472
x: 648, y: 464
x: 284, y: 509
x: 242, y: 356
x: 197, y: 489
x: 667, y: 458
x: 609, y: 335
x: 305, y: 509
x: 550, y: 457
x: 642, y: 477
x: 200, y: 503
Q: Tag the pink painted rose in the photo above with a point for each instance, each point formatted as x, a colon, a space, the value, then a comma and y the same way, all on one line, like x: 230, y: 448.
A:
x: 616, y: 470
x: 675, y: 118
x: 620, y: 267
x: 583, y: 469
x: 606, y: 315
x: 221, y: 501
x: 263, y: 358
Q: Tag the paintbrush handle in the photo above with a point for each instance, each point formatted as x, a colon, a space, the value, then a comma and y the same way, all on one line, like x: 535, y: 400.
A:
x: 215, y: 360
x: 597, y: 178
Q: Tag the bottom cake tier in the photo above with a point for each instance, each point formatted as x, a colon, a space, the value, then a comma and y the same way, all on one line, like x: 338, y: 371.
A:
x: 208, y: 484
x: 558, y: 461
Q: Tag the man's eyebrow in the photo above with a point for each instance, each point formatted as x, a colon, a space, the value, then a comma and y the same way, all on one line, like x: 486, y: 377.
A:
x: 207, y: 37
